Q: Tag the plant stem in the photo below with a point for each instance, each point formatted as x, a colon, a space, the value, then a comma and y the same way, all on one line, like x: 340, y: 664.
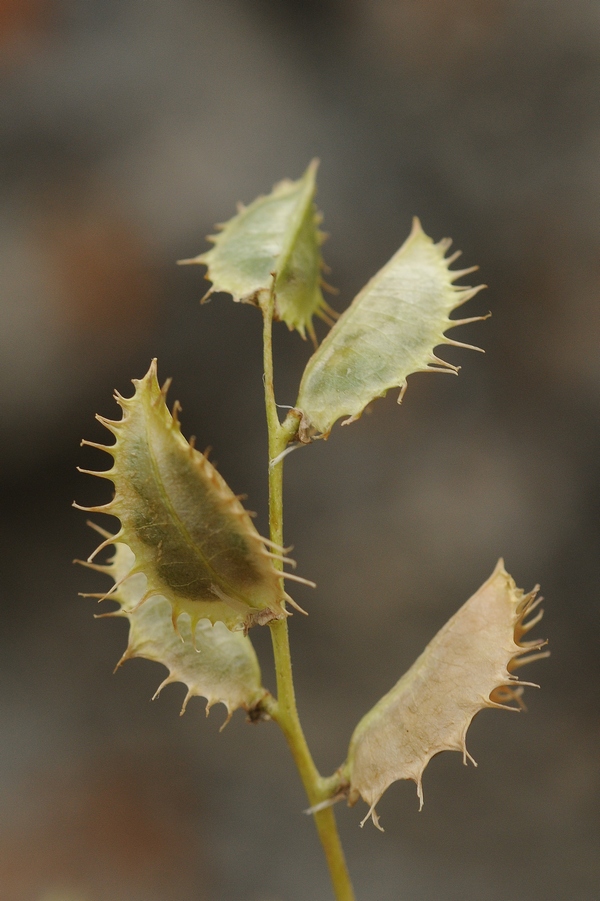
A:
x: 284, y: 710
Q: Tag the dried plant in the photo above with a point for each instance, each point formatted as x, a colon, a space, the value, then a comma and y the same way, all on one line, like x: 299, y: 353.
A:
x: 193, y: 576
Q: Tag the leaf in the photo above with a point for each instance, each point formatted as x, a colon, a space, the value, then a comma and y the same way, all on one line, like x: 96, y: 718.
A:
x: 216, y: 664
x: 468, y: 666
x: 191, y: 538
x: 388, y: 332
x: 276, y: 235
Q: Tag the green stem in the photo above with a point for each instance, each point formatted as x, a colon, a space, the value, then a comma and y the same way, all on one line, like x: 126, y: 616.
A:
x: 284, y: 710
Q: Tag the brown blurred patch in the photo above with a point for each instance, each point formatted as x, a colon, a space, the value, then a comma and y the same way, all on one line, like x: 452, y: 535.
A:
x: 550, y: 321
x: 102, y: 263
x: 432, y: 36
x: 22, y: 24
x: 102, y: 831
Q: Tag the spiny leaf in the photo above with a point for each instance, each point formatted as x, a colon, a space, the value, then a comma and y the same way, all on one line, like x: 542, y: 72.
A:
x: 214, y: 663
x: 389, y: 331
x: 192, y: 539
x: 277, y: 236
x: 469, y: 665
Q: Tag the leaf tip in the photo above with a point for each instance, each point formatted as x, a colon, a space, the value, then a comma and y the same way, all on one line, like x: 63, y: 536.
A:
x: 416, y: 228
x: 191, y: 261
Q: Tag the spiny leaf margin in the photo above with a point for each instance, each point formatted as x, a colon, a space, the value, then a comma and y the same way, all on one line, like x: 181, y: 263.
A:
x: 190, y: 536
x: 273, y: 244
x: 213, y: 663
x: 468, y: 666
x: 389, y: 331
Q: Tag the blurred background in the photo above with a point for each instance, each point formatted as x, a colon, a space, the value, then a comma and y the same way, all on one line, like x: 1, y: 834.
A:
x: 127, y: 129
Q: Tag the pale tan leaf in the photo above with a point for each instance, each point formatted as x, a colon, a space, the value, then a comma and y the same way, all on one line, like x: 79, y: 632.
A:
x: 468, y: 666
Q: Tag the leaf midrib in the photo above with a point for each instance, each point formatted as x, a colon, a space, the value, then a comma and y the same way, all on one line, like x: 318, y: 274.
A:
x: 195, y: 548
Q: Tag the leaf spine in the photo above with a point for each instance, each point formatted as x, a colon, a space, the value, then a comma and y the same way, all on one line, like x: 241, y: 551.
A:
x: 111, y: 424
x: 464, y: 295
x: 459, y: 273
x: 168, y: 681
x: 102, y: 508
x: 102, y: 474
x: 97, y: 567
x: 281, y: 559
x: 455, y: 322
x: 462, y: 344
x: 296, y: 606
x: 109, y: 448
x: 294, y: 578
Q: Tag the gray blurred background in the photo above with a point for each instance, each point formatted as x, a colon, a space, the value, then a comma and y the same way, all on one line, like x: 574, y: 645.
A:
x: 127, y: 129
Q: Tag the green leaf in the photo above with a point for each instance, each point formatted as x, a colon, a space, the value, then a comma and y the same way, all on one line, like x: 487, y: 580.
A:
x: 468, y: 666
x: 276, y: 237
x: 191, y: 538
x: 214, y: 663
x: 389, y: 331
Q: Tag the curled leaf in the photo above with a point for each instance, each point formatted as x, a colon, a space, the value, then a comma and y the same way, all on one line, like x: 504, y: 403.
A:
x: 388, y: 332
x: 213, y: 663
x: 468, y: 666
x: 276, y: 237
x: 191, y: 538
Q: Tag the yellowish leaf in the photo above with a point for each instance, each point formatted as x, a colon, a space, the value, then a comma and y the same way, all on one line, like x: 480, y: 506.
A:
x: 389, y: 331
x: 274, y: 243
